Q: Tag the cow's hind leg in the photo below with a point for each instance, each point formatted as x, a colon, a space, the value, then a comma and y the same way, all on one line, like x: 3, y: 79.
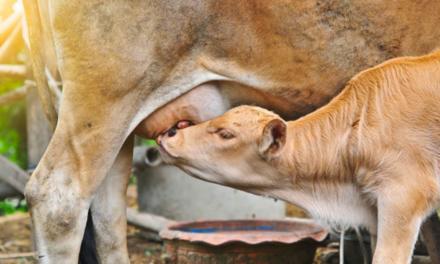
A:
x: 109, y: 209
x: 59, y: 213
x: 116, y: 70
x: 81, y: 153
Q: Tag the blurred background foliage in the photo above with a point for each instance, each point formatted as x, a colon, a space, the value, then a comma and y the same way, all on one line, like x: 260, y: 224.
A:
x: 13, y: 126
x: 13, y: 143
x: 13, y: 140
x: 12, y: 205
x: 6, y: 8
x: 12, y: 116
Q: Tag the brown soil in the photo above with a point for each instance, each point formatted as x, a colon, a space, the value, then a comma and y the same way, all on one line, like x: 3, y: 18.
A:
x: 15, y: 239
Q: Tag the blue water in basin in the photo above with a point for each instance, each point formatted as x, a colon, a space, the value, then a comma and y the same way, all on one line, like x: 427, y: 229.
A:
x: 216, y: 230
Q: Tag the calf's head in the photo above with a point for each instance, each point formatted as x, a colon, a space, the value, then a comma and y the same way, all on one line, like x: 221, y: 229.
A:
x: 235, y: 149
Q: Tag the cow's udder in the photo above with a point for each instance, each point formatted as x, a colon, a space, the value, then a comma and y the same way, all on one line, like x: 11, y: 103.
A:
x: 202, y: 103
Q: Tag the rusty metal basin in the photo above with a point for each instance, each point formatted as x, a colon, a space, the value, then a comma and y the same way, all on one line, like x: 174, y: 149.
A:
x: 242, y: 241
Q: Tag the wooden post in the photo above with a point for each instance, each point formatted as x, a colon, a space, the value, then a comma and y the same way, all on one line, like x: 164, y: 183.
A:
x: 12, y: 71
x: 12, y: 174
x: 10, y: 48
x: 7, y: 26
x: 7, y: 190
x: 39, y: 130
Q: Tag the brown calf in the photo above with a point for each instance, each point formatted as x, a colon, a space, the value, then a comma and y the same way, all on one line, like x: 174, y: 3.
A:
x: 369, y: 158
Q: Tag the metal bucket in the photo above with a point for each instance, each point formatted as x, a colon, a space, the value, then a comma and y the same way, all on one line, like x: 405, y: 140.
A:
x: 242, y: 241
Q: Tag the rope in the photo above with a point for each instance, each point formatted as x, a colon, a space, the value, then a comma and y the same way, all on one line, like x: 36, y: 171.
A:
x: 341, y: 246
x: 362, y: 245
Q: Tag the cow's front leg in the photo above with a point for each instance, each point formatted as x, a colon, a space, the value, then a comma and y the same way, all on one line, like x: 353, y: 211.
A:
x: 109, y: 209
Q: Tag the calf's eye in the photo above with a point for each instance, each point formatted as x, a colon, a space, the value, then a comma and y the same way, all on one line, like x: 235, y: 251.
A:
x: 225, y: 134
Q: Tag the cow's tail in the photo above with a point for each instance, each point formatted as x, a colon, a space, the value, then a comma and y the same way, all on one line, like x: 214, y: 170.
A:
x: 37, y: 45
x: 88, y: 253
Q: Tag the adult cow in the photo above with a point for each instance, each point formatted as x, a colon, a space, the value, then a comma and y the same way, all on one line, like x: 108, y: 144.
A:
x: 122, y: 60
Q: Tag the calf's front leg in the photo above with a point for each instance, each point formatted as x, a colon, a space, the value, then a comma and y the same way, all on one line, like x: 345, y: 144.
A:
x: 398, y: 226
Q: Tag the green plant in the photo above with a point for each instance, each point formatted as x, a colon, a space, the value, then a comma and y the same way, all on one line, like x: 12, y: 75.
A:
x: 12, y: 139
x: 133, y: 180
x: 12, y: 127
x: 148, y: 142
x: 11, y: 206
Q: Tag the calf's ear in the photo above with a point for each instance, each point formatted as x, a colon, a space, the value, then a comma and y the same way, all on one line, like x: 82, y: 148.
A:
x: 273, y: 139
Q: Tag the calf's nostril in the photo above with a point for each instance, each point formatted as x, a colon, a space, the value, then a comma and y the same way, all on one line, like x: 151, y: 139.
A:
x: 172, y: 132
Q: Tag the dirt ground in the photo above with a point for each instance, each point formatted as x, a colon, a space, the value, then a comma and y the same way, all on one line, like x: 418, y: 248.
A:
x: 16, y: 243
x: 143, y: 247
